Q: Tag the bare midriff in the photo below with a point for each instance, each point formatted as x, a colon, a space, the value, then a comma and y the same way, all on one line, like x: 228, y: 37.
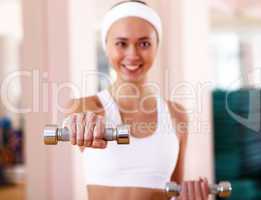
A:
x: 124, y: 193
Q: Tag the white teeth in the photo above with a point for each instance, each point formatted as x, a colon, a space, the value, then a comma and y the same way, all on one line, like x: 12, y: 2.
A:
x: 132, y: 67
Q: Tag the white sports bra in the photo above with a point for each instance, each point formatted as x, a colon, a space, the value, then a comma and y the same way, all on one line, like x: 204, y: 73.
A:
x: 146, y: 162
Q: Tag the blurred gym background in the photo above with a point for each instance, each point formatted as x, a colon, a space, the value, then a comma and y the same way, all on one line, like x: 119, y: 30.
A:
x: 212, y: 45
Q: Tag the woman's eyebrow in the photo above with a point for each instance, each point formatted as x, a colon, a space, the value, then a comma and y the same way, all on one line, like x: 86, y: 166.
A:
x: 144, y: 38
x: 121, y: 38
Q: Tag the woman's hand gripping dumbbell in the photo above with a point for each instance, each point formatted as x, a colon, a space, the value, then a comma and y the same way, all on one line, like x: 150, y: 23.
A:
x: 86, y: 130
x: 223, y: 189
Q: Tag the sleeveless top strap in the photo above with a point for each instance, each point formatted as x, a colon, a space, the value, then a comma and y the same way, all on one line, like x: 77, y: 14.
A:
x: 165, y: 119
x: 110, y: 108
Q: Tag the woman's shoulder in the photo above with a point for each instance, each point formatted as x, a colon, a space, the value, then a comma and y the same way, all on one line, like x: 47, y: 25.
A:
x: 177, y: 111
x: 84, y: 104
x: 179, y: 118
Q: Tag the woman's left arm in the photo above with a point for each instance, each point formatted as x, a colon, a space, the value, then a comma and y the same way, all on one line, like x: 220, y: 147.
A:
x: 197, y: 190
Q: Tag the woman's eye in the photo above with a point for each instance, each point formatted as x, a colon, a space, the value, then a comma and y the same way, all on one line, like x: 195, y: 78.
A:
x: 121, y: 44
x: 145, y: 44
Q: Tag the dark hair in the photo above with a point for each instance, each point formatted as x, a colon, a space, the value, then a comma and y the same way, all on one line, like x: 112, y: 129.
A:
x: 127, y: 1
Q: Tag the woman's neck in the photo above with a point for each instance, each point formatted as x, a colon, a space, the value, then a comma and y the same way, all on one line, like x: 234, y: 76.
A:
x: 130, y: 95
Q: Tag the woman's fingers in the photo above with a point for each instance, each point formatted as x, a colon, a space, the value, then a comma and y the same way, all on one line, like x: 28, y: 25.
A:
x: 88, y: 130
x: 73, y: 129
x: 191, y: 192
x: 98, y: 134
x: 80, y: 128
x: 90, y: 120
x: 184, y: 191
x: 204, y: 188
x: 194, y: 190
x: 197, y: 189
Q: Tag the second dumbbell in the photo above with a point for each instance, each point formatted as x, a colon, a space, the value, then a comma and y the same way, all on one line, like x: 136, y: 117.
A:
x: 223, y: 189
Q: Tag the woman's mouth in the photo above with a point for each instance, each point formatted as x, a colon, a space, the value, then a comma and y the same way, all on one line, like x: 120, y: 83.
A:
x: 132, y: 72
x: 132, y: 68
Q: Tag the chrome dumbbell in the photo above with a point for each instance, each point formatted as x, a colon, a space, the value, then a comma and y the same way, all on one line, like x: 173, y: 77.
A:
x: 223, y: 189
x: 53, y: 134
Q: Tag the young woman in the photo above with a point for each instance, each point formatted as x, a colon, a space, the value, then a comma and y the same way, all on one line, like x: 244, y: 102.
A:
x: 131, y: 34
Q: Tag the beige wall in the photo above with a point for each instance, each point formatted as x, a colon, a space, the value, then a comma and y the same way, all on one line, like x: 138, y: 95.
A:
x: 45, y: 49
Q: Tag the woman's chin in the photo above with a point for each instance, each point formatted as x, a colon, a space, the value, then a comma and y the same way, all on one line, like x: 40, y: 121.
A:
x: 132, y: 76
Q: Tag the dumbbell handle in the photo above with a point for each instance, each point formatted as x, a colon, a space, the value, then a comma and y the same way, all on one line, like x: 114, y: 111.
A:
x: 223, y: 189
x: 53, y: 134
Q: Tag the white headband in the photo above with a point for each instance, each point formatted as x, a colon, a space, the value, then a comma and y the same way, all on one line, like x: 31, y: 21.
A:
x: 130, y: 9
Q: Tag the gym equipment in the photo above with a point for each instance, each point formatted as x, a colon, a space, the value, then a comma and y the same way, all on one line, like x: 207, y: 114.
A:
x: 236, y: 145
x: 223, y: 189
x: 53, y: 134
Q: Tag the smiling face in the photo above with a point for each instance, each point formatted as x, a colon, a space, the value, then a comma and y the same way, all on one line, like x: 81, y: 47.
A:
x: 131, y: 48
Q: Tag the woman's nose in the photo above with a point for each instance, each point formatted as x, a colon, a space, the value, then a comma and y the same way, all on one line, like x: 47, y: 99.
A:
x: 132, y: 52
